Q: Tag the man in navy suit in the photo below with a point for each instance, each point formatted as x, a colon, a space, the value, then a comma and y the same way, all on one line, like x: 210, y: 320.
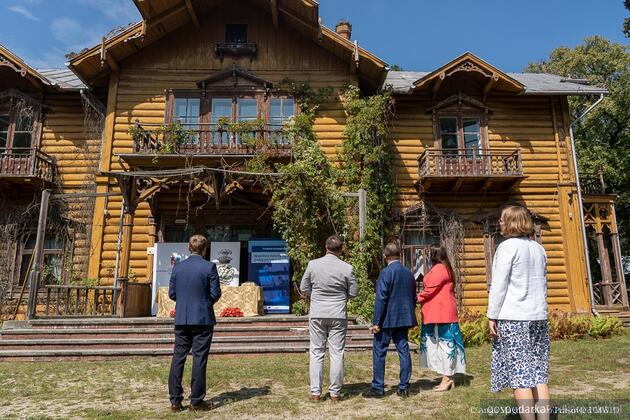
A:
x: 195, y: 288
x: 394, y: 314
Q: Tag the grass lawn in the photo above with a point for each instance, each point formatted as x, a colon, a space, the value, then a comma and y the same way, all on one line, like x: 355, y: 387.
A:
x: 276, y: 386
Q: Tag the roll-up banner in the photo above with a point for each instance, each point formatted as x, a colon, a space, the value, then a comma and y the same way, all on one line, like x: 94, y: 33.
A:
x: 269, y: 268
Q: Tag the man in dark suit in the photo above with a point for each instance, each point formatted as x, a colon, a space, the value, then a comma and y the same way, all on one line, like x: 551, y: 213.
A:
x: 394, y: 314
x: 195, y: 288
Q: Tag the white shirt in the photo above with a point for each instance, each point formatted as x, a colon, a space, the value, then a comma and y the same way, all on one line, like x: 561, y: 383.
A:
x: 518, y: 291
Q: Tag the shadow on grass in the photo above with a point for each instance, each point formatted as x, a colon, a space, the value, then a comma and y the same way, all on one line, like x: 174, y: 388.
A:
x: 230, y: 397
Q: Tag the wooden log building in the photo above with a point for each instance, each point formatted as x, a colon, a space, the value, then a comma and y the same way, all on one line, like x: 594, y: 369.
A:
x: 467, y: 138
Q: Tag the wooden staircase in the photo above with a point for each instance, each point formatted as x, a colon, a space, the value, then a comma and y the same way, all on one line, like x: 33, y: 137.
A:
x: 114, y: 338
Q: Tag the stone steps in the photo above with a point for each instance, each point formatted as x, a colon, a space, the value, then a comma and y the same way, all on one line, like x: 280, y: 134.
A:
x: 116, y: 338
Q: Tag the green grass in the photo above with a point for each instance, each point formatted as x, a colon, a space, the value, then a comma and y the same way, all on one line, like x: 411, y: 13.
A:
x: 277, y: 386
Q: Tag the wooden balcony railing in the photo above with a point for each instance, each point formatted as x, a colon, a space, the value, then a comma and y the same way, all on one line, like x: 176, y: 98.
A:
x: 209, y: 139
x: 77, y: 300
x: 477, y: 163
x: 26, y: 163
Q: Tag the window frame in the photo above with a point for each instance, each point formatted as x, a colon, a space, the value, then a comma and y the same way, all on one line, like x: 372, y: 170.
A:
x: 205, y: 106
x: 460, y: 116
x: 8, y: 108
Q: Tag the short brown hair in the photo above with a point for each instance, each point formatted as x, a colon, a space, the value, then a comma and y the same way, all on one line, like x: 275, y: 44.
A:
x: 517, y: 222
x: 391, y: 250
x: 197, y: 244
x: 334, y: 243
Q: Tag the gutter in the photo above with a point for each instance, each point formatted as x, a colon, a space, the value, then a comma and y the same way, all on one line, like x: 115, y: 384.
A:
x: 579, y: 191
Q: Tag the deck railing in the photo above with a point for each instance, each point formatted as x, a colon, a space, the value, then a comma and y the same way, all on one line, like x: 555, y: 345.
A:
x: 469, y: 163
x: 210, y: 139
x: 26, y: 163
x: 76, y: 300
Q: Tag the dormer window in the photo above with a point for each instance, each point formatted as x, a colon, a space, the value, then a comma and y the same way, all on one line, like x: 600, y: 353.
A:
x: 235, y: 33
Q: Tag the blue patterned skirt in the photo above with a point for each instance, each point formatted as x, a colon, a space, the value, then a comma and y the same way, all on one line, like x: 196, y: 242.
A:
x: 442, y: 348
x: 520, y: 355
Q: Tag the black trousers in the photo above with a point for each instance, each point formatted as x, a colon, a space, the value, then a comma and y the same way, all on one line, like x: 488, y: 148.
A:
x: 195, y: 339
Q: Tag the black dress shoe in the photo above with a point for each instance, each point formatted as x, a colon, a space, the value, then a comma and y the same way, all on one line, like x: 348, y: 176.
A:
x: 403, y: 393
x: 202, y: 406
x: 177, y: 408
x: 373, y: 393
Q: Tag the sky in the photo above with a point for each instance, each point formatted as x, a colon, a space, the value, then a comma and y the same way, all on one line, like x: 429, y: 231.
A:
x: 418, y: 35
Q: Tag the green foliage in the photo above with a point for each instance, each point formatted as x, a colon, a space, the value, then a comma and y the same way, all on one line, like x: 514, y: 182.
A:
x: 365, y: 163
x: 308, y: 201
x: 604, y: 327
x: 475, y: 331
x: 603, y: 137
x: 299, y: 307
x: 169, y: 137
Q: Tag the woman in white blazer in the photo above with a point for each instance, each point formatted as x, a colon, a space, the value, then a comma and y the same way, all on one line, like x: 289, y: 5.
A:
x: 517, y: 313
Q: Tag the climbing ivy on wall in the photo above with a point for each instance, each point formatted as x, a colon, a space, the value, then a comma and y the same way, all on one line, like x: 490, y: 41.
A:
x: 308, y: 200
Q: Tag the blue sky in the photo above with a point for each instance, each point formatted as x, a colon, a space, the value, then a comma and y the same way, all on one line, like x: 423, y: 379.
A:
x: 415, y: 34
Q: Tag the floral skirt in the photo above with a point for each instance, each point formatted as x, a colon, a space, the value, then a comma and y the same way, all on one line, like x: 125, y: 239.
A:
x: 520, y: 355
x: 442, y: 348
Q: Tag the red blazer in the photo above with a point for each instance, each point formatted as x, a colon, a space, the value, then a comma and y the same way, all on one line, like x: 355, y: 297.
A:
x: 438, y: 297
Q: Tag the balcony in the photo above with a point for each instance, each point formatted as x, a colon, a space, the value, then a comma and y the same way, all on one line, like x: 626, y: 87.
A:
x: 236, y: 49
x: 24, y: 165
x: 205, y: 144
x: 468, y: 170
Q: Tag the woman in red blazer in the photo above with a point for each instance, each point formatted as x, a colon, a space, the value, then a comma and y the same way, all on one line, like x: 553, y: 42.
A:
x: 441, y: 343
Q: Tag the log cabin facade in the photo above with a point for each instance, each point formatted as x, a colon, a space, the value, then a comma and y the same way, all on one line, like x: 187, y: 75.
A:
x: 466, y: 138
x: 50, y: 128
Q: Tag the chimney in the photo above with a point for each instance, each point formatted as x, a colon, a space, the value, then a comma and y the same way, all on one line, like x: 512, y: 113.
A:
x: 344, y: 28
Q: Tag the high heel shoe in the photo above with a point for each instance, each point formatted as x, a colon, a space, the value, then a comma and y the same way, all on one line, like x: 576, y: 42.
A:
x: 443, y: 388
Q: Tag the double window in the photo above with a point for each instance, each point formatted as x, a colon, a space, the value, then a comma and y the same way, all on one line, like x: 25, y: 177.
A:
x: 16, y: 128
x: 459, y: 133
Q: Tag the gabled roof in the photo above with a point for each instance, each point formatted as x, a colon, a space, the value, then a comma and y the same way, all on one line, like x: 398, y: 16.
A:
x: 161, y: 17
x: 234, y: 73
x: 468, y: 62
x: 8, y: 59
x: 64, y: 79
x: 407, y: 82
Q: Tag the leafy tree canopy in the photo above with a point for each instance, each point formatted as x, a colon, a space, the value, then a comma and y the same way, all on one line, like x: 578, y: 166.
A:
x: 603, y: 137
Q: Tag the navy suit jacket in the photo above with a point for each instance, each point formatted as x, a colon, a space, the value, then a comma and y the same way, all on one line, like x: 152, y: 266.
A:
x: 395, y: 302
x: 195, y: 288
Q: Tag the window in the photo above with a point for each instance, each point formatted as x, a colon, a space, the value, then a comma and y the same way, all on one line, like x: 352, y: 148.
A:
x: 236, y: 33
x: 415, y: 250
x: 186, y: 111
x: 459, y: 133
x: 280, y: 111
x: 221, y: 109
x: 246, y: 111
x: 53, y: 258
x: 16, y: 129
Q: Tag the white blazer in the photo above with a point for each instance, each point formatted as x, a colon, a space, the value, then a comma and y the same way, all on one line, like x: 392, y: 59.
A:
x: 518, y: 291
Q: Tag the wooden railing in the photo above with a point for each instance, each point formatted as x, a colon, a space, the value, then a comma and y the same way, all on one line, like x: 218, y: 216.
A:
x: 26, y: 162
x: 469, y: 163
x: 210, y: 139
x: 76, y: 300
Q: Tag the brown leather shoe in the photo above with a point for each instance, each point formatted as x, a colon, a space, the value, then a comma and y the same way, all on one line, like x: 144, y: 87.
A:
x: 336, y: 398
x: 202, y: 406
x: 315, y: 397
x: 177, y: 408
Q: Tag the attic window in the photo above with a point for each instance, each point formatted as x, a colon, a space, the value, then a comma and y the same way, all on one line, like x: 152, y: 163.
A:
x: 235, y: 43
x: 236, y: 33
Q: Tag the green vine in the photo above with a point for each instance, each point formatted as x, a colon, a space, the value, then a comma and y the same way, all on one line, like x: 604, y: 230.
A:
x: 308, y: 201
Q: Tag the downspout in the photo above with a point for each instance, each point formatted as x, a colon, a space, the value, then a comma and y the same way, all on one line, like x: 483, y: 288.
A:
x: 581, y: 204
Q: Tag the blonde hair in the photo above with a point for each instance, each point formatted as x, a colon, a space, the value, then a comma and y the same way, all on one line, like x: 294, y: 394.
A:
x: 197, y: 244
x: 517, y: 222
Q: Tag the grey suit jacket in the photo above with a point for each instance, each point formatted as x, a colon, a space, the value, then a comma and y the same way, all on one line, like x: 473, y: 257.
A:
x: 329, y: 282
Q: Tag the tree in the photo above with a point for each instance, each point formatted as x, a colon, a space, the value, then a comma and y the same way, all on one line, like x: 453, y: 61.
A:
x: 603, y: 137
x: 626, y: 21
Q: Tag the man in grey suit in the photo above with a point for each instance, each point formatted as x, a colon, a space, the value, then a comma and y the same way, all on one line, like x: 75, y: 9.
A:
x: 329, y: 282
